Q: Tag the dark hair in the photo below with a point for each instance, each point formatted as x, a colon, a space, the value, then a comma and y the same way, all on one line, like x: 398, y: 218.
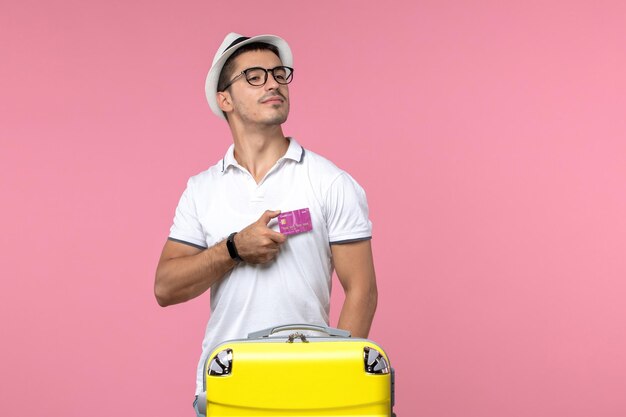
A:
x: 227, y: 69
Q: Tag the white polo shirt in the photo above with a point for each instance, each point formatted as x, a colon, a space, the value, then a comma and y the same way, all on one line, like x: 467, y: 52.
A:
x: 295, y: 286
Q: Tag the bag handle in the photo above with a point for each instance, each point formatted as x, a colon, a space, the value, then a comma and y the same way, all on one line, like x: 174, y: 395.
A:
x: 331, y: 331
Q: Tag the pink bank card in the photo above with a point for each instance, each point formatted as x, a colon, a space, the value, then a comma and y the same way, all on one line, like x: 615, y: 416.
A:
x: 293, y: 222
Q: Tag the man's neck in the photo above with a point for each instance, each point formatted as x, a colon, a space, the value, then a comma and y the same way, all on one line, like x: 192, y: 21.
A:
x: 258, y: 150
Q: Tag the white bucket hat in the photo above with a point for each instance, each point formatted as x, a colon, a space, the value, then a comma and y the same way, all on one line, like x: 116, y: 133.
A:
x: 232, y: 42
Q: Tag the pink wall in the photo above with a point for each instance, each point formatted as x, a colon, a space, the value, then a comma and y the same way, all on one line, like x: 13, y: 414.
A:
x: 490, y: 138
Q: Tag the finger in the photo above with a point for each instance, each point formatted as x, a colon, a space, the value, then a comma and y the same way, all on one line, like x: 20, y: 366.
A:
x: 277, y: 237
x: 270, y: 255
x: 268, y: 215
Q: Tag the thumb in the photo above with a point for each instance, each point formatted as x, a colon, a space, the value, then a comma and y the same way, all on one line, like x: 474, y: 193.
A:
x: 268, y: 215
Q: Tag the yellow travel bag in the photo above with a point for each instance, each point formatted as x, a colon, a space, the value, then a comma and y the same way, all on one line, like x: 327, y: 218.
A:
x: 286, y: 371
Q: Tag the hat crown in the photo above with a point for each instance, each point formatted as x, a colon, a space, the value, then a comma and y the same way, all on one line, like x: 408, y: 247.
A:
x: 228, y: 41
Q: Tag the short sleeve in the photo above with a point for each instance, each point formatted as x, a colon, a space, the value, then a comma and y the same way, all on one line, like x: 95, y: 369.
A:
x: 187, y: 228
x: 347, y: 213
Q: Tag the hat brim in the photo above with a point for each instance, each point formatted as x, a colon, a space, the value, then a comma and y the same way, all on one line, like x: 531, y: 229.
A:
x: 212, y: 79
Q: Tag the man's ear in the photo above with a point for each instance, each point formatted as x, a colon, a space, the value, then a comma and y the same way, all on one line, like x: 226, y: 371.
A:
x: 224, y: 101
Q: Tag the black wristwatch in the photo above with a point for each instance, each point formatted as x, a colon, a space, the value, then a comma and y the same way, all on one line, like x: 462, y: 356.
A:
x: 232, y: 249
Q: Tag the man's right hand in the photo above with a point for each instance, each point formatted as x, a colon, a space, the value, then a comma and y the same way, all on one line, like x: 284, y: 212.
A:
x: 184, y: 272
x: 257, y: 243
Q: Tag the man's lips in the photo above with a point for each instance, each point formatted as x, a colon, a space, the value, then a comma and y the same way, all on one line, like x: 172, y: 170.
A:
x: 273, y: 99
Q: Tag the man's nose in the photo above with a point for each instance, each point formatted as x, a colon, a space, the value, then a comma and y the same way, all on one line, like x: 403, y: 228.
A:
x: 271, y: 83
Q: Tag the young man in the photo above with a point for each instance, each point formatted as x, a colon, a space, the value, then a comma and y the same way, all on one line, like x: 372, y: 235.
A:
x: 226, y: 234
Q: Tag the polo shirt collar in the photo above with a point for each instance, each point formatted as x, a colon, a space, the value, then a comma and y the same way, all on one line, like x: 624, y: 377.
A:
x: 294, y: 152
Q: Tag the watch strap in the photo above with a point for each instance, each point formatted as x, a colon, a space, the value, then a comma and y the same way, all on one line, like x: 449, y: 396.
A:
x: 232, y: 249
